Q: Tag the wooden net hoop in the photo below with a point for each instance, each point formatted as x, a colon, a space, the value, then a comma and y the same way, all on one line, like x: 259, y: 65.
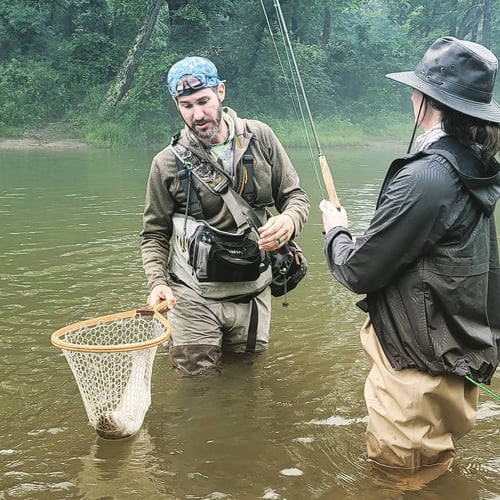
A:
x: 72, y: 337
x: 111, y: 358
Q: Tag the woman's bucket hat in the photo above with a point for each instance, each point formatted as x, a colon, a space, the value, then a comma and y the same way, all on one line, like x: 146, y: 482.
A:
x: 459, y: 74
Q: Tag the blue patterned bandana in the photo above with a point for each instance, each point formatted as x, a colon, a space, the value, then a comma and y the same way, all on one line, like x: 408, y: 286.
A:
x: 194, y: 73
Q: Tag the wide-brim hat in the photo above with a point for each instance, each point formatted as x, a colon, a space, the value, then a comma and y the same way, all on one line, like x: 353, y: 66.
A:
x: 459, y: 74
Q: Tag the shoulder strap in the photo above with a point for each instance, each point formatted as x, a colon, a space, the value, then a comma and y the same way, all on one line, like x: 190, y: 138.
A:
x: 193, y: 201
x: 242, y: 212
x: 188, y: 163
x: 212, y: 176
x: 248, y: 192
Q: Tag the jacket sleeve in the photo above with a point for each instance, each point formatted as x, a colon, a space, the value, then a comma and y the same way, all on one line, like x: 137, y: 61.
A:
x: 412, y: 215
x: 157, y: 225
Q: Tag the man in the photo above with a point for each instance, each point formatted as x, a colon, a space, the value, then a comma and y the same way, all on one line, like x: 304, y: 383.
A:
x: 429, y: 265
x: 208, y: 317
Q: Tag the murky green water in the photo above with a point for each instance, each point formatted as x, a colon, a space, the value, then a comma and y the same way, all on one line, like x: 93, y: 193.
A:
x: 290, y: 425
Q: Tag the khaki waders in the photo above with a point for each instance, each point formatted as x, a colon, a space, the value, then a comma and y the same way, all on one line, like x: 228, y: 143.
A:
x: 414, y: 419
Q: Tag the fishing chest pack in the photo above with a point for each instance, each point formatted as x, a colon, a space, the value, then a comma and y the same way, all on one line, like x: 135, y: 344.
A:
x: 220, y: 256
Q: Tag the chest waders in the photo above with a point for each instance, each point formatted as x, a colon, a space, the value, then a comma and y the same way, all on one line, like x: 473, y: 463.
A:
x: 187, y: 164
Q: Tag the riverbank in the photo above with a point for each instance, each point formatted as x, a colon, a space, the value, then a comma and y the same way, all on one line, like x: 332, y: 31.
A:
x: 46, y: 138
x: 53, y: 138
x: 25, y: 143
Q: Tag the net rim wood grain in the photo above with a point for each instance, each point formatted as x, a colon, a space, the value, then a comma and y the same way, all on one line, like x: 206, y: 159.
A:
x: 57, y: 338
x: 111, y: 358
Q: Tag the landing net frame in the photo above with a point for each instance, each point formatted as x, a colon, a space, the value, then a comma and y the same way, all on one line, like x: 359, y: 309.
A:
x: 111, y: 358
x: 58, y: 337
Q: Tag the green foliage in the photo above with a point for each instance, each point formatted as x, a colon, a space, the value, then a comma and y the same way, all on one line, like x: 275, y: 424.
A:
x: 146, y: 116
x: 331, y: 131
x: 30, y: 93
x: 193, y: 15
x: 109, y: 134
x: 199, y: 26
x: 58, y: 58
x: 8, y: 130
x: 22, y: 27
x: 87, y: 58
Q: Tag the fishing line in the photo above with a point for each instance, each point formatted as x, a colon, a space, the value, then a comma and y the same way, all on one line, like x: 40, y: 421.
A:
x: 295, y: 100
x: 297, y: 73
x: 269, y: 28
x: 325, y: 170
x: 484, y: 388
x: 296, y: 76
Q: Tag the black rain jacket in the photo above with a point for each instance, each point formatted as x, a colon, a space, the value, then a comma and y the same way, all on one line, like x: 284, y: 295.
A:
x: 429, y: 263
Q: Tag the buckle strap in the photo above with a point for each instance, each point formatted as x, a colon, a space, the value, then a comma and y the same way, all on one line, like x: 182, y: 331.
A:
x: 192, y: 200
x: 248, y: 193
x: 252, y: 328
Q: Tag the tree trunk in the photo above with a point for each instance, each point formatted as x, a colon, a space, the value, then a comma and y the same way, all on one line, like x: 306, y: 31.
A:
x: 125, y: 76
x: 470, y: 21
x: 453, y: 17
x: 327, y: 26
x: 487, y: 22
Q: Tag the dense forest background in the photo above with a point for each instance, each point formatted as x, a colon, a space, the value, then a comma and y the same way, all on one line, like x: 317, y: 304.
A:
x: 96, y: 68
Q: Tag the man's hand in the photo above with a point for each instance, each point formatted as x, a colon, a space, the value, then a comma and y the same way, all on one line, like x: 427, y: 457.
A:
x: 332, y: 216
x: 160, y: 293
x: 276, y: 232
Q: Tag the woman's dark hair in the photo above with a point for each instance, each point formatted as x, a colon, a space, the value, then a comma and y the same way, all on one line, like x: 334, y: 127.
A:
x: 469, y: 130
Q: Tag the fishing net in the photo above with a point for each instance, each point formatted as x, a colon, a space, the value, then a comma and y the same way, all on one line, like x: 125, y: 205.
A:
x: 111, y: 358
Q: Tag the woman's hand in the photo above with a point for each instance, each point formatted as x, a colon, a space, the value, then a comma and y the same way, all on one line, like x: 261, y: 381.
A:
x: 332, y: 216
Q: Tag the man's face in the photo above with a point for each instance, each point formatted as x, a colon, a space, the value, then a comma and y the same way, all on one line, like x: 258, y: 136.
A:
x: 202, y: 113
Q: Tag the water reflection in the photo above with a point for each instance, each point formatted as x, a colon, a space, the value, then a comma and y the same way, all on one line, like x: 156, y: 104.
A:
x: 129, y: 466
x: 288, y: 424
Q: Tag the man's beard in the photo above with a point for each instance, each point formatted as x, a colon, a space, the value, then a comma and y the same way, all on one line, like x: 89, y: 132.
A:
x: 209, y: 135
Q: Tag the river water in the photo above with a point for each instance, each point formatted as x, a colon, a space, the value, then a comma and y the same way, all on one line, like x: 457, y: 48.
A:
x: 287, y: 425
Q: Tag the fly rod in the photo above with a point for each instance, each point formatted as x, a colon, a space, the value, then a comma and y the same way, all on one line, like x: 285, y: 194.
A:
x: 325, y: 170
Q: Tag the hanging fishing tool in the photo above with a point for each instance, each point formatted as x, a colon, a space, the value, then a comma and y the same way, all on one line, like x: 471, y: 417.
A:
x: 325, y: 169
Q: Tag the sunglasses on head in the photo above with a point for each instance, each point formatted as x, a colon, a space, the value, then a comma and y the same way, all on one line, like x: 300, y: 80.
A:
x: 191, y: 83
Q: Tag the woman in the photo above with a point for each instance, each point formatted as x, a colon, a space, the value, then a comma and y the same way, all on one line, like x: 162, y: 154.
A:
x: 428, y: 264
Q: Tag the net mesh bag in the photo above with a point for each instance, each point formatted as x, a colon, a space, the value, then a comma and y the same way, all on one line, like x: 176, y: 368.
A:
x: 111, y: 358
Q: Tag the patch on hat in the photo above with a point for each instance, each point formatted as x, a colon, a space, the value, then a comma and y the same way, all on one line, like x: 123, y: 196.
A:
x: 202, y: 71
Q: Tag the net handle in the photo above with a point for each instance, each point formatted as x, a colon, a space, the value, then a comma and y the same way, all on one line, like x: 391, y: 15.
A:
x: 144, y: 311
x: 149, y: 311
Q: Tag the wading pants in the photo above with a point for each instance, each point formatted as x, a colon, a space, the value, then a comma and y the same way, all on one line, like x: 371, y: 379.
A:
x: 202, y: 329
x: 414, y: 419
